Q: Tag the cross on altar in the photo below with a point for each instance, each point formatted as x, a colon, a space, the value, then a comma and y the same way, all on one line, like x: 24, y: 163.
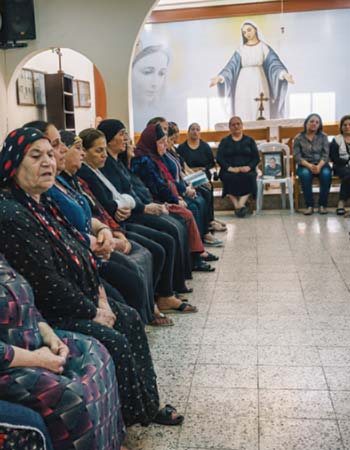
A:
x: 261, y: 99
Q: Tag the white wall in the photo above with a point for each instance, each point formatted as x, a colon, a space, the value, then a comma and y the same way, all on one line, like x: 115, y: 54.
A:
x: 73, y: 63
x: 104, y: 31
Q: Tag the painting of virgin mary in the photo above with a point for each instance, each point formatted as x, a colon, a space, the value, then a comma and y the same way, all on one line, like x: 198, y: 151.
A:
x: 254, y: 68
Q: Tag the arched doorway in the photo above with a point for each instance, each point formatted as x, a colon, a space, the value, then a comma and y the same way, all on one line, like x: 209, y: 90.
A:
x: 27, y: 94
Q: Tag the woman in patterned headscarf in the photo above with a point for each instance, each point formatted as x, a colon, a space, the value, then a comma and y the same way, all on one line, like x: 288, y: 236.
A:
x: 57, y: 374
x: 55, y: 259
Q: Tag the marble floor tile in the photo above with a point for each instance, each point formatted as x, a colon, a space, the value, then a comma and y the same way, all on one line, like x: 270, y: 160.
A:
x: 216, y: 432
x: 153, y: 437
x: 174, y: 374
x: 237, y: 355
x: 224, y: 401
x: 224, y: 376
x: 338, y: 378
x: 331, y: 338
x: 279, y: 308
x: 335, y: 356
x: 288, y: 356
x: 298, y: 434
x: 295, y: 404
x: 344, y: 426
x: 281, y: 377
x: 288, y: 336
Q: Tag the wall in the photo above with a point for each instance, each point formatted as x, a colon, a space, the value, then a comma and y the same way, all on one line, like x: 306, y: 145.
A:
x: 103, y: 31
x: 73, y: 63
x: 312, y: 48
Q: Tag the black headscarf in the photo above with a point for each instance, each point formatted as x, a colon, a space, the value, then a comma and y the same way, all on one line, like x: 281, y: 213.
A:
x: 110, y: 127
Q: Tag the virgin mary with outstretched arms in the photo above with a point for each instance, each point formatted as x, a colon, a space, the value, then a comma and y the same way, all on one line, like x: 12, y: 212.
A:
x: 254, y: 68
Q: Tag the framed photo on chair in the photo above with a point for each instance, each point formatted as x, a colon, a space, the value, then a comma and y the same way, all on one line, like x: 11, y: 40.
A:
x: 272, y: 164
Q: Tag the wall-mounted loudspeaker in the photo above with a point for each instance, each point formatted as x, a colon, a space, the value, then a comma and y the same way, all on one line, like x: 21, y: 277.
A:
x: 17, y: 22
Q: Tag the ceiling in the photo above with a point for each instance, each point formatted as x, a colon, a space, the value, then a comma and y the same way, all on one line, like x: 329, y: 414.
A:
x: 173, y: 4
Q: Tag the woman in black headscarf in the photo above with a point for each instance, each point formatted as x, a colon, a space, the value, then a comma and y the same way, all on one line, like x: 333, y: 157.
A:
x: 55, y: 259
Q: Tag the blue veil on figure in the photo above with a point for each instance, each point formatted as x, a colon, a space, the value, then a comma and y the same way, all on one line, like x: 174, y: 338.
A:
x: 272, y: 67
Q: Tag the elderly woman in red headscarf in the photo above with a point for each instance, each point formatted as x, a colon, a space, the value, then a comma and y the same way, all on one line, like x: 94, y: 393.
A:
x: 56, y: 260
x: 148, y: 164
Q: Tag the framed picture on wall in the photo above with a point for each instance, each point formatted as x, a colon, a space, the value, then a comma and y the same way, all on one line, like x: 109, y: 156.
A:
x: 84, y: 94
x: 25, y: 88
x: 39, y: 88
x: 75, y: 94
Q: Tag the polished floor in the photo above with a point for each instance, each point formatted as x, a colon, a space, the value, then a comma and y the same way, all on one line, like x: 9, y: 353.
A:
x: 265, y: 364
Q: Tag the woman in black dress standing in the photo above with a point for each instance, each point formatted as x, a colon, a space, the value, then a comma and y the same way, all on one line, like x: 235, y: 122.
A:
x: 238, y: 157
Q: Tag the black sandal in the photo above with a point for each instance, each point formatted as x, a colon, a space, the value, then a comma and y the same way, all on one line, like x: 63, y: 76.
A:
x: 164, y: 416
x: 203, y: 267
x: 210, y: 257
x: 340, y: 211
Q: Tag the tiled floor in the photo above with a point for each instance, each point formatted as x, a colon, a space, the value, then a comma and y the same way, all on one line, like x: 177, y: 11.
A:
x: 265, y: 364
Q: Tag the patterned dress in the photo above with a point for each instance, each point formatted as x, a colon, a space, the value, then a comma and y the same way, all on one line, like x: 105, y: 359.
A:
x: 81, y: 407
x: 67, y: 299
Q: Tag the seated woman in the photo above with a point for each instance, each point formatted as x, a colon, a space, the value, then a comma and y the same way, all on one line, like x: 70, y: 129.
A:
x: 149, y: 165
x: 238, y: 157
x: 340, y: 155
x: 94, y: 144
x: 194, y: 199
x: 311, y: 153
x: 55, y: 258
x: 68, y: 378
x: 21, y: 427
x: 153, y: 217
x: 196, y: 155
x: 130, y: 274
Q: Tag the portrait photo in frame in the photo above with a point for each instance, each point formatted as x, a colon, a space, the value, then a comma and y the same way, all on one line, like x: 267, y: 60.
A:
x: 84, y: 94
x: 39, y: 88
x: 76, y: 94
x: 25, y: 88
x: 273, y: 164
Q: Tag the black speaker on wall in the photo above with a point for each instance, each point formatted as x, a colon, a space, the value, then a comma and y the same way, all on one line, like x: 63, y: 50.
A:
x: 17, y: 21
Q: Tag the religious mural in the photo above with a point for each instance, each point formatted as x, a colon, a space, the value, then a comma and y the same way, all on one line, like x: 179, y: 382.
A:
x: 207, y: 70
x: 254, y: 69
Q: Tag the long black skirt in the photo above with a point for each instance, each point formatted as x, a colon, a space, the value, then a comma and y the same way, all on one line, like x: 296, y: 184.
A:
x: 239, y: 184
x: 127, y: 344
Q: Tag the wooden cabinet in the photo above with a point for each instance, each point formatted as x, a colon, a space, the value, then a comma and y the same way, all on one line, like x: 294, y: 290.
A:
x: 59, y: 100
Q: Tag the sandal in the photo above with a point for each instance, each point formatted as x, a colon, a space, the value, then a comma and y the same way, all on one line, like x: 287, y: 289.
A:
x: 161, y: 320
x: 183, y: 308
x: 165, y: 416
x: 203, y: 267
x: 340, y: 211
x: 217, y: 226
x: 210, y: 257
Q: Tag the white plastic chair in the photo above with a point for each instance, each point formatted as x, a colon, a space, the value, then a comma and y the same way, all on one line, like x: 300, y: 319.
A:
x: 284, y: 182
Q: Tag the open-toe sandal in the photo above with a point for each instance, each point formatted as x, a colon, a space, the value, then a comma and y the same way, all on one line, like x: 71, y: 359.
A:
x: 183, y: 308
x: 210, y: 257
x: 161, y: 320
x: 165, y: 416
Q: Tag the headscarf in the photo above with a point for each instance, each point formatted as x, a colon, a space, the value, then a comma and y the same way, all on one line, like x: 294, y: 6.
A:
x: 147, y: 146
x: 13, y: 151
x: 69, y: 139
x: 110, y: 127
x: 45, y: 213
